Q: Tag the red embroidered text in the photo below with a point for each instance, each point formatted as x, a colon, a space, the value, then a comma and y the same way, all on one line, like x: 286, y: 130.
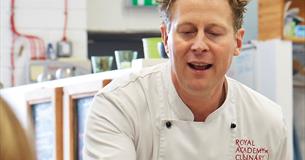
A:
x: 247, y: 150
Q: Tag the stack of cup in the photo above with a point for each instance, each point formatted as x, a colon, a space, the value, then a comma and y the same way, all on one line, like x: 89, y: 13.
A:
x: 101, y: 63
x: 124, y: 58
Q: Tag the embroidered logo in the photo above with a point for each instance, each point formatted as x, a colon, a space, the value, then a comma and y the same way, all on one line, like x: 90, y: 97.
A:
x: 247, y: 150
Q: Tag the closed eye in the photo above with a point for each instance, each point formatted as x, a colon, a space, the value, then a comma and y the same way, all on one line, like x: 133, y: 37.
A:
x: 188, y: 32
x: 214, y: 33
x: 186, y: 29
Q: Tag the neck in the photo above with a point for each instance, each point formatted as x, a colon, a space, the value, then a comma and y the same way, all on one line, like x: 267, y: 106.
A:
x: 202, y: 105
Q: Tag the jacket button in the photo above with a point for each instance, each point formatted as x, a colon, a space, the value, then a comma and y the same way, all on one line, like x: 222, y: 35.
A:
x: 233, y: 125
x: 168, y: 124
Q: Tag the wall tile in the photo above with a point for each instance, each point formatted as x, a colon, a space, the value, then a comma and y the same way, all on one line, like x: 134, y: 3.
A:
x: 50, y: 4
x: 50, y: 19
x: 45, y: 19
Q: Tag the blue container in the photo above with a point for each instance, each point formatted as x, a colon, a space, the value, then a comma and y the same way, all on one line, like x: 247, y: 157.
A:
x: 300, y: 31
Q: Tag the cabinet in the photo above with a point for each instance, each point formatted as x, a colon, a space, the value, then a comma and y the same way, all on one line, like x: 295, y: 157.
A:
x: 57, y: 107
x: 44, y: 111
x: 271, y: 19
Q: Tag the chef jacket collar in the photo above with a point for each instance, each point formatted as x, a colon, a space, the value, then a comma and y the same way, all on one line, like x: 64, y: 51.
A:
x: 180, y: 111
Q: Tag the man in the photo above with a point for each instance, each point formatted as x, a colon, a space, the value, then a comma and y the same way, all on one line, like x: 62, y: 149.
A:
x: 188, y: 108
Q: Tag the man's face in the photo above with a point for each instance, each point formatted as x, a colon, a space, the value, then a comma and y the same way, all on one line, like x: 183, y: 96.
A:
x: 201, y: 43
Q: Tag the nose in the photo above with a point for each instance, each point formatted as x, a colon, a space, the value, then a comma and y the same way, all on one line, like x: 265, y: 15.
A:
x: 199, y: 45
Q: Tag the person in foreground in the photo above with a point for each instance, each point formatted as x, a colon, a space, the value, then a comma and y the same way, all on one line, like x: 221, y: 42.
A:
x: 14, y: 143
x: 187, y: 108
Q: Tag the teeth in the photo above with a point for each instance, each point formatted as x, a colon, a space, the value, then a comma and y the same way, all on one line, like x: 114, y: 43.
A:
x: 199, y: 64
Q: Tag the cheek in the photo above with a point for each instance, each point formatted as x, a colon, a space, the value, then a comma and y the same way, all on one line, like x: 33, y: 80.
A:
x: 225, y: 58
x: 181, y: 49
x: 223, y: 55
x: 177, y: 50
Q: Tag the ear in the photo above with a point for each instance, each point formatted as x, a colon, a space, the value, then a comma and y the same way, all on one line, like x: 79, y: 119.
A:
x: 239, y: 36
x: 164, y: 36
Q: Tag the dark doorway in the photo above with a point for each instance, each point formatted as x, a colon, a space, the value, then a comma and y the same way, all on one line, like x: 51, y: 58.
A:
x: 104, y: 44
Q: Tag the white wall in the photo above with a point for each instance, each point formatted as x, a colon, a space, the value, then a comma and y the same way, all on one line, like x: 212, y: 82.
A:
x: 45, y: 19
x: 251, y: 21
x: 118, y: 16
x: 5, y: 42
x: 274, y: 77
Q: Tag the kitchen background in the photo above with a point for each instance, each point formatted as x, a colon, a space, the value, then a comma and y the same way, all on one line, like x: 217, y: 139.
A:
x: 32, y: 28
x: 40, y: 37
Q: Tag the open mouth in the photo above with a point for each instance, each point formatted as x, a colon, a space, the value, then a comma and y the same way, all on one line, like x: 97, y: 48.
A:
x: 200, y: 66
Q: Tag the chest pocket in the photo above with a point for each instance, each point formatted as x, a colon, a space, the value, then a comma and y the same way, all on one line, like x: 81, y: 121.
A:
x: 187, y: 140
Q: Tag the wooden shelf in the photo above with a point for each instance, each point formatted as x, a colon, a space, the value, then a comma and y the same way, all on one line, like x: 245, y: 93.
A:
x: 295, y: 39
x: 270, y: 22
x: 270, y: 19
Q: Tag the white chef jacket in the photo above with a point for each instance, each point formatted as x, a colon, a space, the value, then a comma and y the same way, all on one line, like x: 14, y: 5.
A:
x: 141, y: 117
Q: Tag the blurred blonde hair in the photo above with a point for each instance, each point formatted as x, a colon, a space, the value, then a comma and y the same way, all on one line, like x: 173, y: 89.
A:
x: 14, y: 143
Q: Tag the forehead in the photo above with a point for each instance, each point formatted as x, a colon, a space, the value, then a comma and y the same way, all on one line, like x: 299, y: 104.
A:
x: 202, y: 10
x: 199, y: 3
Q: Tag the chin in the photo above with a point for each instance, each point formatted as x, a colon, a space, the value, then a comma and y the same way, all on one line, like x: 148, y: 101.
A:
x: 197, y: 87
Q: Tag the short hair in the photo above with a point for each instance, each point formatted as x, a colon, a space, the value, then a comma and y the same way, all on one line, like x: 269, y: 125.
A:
x: 238, y: 8
x: 14, y: 142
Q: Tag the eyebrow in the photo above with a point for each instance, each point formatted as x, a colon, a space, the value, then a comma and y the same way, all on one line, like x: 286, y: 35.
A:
x: 217, y: 26
x: 185, y: 24
x: 181, y: 25
x: 207, y: 26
